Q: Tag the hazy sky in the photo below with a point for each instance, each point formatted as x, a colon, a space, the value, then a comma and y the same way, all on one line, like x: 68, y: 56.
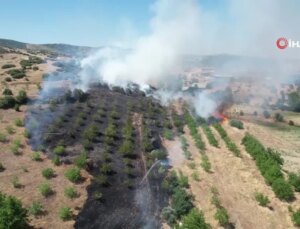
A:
x: 80, y: 22
x: 247, y: 27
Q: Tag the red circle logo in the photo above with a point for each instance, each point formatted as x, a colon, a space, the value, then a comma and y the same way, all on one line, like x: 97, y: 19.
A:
x: 282, y: 43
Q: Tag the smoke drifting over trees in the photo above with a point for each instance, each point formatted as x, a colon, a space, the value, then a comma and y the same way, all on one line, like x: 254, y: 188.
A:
x: 180, y: 27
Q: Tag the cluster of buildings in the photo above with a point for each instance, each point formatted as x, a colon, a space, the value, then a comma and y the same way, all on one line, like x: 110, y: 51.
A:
x: 202, y: 78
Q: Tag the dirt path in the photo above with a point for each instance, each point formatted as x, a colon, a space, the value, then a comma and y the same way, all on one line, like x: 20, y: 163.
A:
x: 237, y: 179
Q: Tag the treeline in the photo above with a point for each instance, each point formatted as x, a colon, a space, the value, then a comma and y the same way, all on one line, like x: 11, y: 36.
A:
x: 31, y: 61
x: 181, y: 208
x: 193, y: 130
x: 210, y: 136
x: 184, y: 146
x: 221, y: 214
x: 269, y: 164
x: 229, y: 143
x: 9, y: 101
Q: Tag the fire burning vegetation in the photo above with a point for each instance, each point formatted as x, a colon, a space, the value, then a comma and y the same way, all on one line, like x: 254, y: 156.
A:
x: 156, y: 136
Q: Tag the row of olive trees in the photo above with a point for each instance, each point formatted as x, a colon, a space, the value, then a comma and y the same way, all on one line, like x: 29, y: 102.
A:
x: 269, y: 163
x: 181, y: 207
x: 229, y: 143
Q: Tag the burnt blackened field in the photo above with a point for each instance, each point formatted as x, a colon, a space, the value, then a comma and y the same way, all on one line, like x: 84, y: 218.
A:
x: 114, y: 135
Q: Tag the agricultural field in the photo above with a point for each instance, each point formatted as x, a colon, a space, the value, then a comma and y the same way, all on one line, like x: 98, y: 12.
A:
x: 113, y: 157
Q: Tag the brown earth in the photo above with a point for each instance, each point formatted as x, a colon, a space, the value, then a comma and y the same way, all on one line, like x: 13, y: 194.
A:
x: 237, y: 179
x: 28, y: 171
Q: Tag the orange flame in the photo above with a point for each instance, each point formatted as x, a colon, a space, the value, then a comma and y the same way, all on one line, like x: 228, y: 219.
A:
x: 223, y: 118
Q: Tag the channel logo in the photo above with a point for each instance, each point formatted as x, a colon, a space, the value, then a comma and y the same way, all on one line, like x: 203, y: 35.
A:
x: 283, y: 43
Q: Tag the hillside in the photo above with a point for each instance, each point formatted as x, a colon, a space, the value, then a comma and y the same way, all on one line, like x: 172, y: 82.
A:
x: 63, y: 49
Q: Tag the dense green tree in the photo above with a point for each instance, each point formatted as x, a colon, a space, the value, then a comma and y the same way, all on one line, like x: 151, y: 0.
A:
x: 7, y: 91
x: 194, y: 220
x: 296, y: 218
x: 21, y: 98
x: 181, y: 202
x: 294, y: 101
x: 12, y: 214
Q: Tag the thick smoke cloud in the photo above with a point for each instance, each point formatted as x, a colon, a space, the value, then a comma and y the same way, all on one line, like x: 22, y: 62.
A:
x: 179, y: 27
x: 174, y: 31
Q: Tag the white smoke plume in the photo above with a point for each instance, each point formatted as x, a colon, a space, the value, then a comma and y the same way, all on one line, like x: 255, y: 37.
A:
x: 181, y: 27
x: 174, y: 31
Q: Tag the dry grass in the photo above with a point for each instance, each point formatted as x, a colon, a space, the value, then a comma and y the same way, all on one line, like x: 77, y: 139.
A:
x: 28, y: 171
x: 237, y: 179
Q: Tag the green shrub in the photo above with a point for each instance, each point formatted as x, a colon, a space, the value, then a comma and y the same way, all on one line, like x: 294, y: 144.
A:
x: 87, y: 144
x: 17, y: 107
x: 296, y: 218
x: 106, y: 168
x: 168, y: 134
x: 178, y: 122
x: 36, y: 156
x: 16, y: 73
x: 7, y: 91
x: 294, y: 180
x: 45, y: 189
x: 194, y: 132
x: 194, y: 220
x: 36, y: 209
x: 22, y: 98
x: 216, y: 201
x: 65, y: 213
x: 16, y: 182
x: 97, y: 195
x: 128, y: 171
x: 127, y: 148
x: 2, y: 168
x: 19, y: 122
x: 222, y: 216
x: 283, y: 190
x: 230, y: 144
x: 5, y: 66
x: 181, y: 202
x: 15, y: 149
x: 236, y: 123
x: 195, y: 176
x: 8, y: 79
x: 3, y: 137
x: 26, y: 134
x: 59, y: 150
x: 81, y: 160
x: 48, y: 173
x: 192, y: 165
x: 269, y: 163
x: 159, y: 154
x: 7, y: 102
x: 56, y: 160
x: 102, y: 179
x: 168, y: 214
x: 210, y: 136
x: 261, y: 199
x: 111, y: 130
x: 278, y: 117
x: 205, y: 164
x: 184, y: 144
x: 13, y: 214
x: 183, y: 181
x: 91, y: 132
x: 71, y: 192
x: 73, y: 174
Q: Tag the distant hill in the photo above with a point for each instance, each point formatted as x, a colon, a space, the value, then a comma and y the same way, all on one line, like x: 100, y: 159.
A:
x: 64, y: 49
x: 12, y: 44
